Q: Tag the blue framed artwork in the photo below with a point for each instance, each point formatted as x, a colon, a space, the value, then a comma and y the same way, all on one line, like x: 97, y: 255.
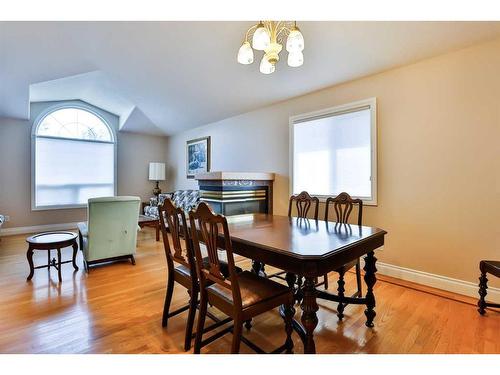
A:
x: 197, y: 156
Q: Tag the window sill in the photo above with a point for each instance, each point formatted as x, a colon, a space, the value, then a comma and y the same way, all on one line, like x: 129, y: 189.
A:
x: 59, y: 207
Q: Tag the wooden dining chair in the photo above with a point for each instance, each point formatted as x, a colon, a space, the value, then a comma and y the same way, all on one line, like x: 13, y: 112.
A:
x: 240, y: 296
x: 343, y: 205
x: 303, y: 203
x: 493, y: 268
x: 181, y: 265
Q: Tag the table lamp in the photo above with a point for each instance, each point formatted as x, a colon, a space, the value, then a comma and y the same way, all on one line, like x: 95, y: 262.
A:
x: 156, y: 173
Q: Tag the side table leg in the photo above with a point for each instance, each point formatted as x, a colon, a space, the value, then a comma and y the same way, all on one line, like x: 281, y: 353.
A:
x: 29, y: 255
x: 309, y: 318
x: 157, y: 228
x: 75, y: 251
x: 370, y: 280
x: 59, y: 264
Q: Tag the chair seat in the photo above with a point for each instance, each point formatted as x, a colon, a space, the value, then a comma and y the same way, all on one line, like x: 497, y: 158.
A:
x: 490, y: 266
x: 253, y: 288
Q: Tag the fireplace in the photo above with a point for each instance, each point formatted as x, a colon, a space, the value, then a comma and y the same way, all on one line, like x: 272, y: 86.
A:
x: 234, y: 193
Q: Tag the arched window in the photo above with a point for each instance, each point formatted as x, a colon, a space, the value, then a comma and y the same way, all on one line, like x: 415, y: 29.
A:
x: 74, y: 158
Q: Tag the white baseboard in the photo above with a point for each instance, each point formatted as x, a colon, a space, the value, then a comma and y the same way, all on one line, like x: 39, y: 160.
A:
x: 437, y: 281
x: 37, y: 228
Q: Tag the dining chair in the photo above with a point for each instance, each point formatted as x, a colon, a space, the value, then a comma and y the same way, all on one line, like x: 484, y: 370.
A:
x: 492, y: 267
x: 181, y: 265
x: 303, y: 203
x: 240, y: 296
x: 343, y: 205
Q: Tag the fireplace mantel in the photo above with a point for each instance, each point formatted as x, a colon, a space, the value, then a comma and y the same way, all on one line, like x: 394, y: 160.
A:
x: 235, y: 176
x: 233, y: 193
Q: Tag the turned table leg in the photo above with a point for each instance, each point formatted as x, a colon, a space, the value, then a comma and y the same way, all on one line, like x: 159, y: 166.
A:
x: 309, y: 318
x: 370, y: 280
x: 75, y: 251
x: 291, y: 278
x: 483, y: 286
x: 29, y: 255
x: 59, y: 264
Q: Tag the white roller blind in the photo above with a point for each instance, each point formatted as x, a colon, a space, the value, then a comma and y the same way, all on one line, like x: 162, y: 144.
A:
x: 333, y: 152
x: 69, y: 172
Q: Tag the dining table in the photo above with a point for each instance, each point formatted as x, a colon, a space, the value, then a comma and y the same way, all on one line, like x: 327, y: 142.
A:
x: 309, y: 249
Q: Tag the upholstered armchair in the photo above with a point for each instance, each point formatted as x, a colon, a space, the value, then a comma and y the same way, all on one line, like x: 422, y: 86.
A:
x: 187, y: 199
x: 111, y: 231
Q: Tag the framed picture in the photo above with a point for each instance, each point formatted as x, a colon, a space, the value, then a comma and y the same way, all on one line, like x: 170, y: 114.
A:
x: 197, y: 156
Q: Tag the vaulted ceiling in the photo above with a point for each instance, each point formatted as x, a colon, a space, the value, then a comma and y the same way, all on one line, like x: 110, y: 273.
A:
x: 165, y: 77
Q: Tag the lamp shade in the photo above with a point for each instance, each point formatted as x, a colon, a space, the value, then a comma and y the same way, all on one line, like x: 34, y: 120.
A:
x: 156, y: 171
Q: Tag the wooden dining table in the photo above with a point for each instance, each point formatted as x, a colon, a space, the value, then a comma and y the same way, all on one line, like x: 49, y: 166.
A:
x: 307, y: 248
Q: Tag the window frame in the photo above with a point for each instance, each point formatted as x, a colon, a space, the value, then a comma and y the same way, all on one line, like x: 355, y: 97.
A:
x: 41, y: 116
x: 371, y: 103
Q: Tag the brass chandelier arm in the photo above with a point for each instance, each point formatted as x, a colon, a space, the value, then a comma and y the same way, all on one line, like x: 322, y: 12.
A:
x: 275, y: 28
x: 279, y: 36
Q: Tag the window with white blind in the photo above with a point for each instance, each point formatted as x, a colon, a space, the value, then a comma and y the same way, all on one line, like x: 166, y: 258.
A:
x: 335, y: 150
x: 73, y: 159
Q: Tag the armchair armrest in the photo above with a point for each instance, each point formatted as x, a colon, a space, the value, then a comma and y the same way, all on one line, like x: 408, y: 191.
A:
x: 83, y: 229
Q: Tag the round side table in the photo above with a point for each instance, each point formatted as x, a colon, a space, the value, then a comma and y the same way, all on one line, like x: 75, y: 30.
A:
x: 48, y: 241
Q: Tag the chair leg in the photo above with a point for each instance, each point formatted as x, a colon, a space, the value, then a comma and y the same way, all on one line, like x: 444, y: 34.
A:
x: 288, y: 318
x: 483, y: 285
x: 193, y: 302
x: 325, y: 279
x: 358, y: 279
x: 201, y: 321
x: 340, y: 289
x: 237, y: 331
x: 168, y: 298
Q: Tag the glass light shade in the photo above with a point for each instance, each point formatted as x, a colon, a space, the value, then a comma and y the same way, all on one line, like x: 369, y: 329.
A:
x: 295, y: 41
x: 266, y: 67
x: 261, y: 38
x: 245, y: 54
x: 295, y: 59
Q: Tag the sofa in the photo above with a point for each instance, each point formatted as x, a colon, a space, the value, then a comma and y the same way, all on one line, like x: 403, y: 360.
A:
x: 187, y: 199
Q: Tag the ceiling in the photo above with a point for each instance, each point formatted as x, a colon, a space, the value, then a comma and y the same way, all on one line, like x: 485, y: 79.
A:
x: 166, y: 77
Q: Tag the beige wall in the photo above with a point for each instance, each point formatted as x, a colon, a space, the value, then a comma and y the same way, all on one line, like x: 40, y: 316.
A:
x: 134, y: 154
x: 438, y: 157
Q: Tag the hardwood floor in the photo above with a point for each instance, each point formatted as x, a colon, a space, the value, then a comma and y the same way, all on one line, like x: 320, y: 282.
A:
x: 117, y: 309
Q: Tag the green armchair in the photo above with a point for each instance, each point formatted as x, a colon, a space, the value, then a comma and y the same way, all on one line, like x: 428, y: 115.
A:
x: 111, y: 232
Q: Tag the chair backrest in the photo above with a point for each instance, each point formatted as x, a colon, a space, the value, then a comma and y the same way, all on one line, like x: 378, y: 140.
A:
x: 173, y: 220
x: 303, y: 203
x: 112, y: 226
x: 343, y: 205
x: 205, y: 227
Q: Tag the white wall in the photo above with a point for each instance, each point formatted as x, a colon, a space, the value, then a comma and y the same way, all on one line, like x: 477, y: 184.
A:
x: 134, y: 153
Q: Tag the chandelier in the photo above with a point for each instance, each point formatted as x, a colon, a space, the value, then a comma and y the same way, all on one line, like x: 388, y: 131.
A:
x: 270, y: 36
